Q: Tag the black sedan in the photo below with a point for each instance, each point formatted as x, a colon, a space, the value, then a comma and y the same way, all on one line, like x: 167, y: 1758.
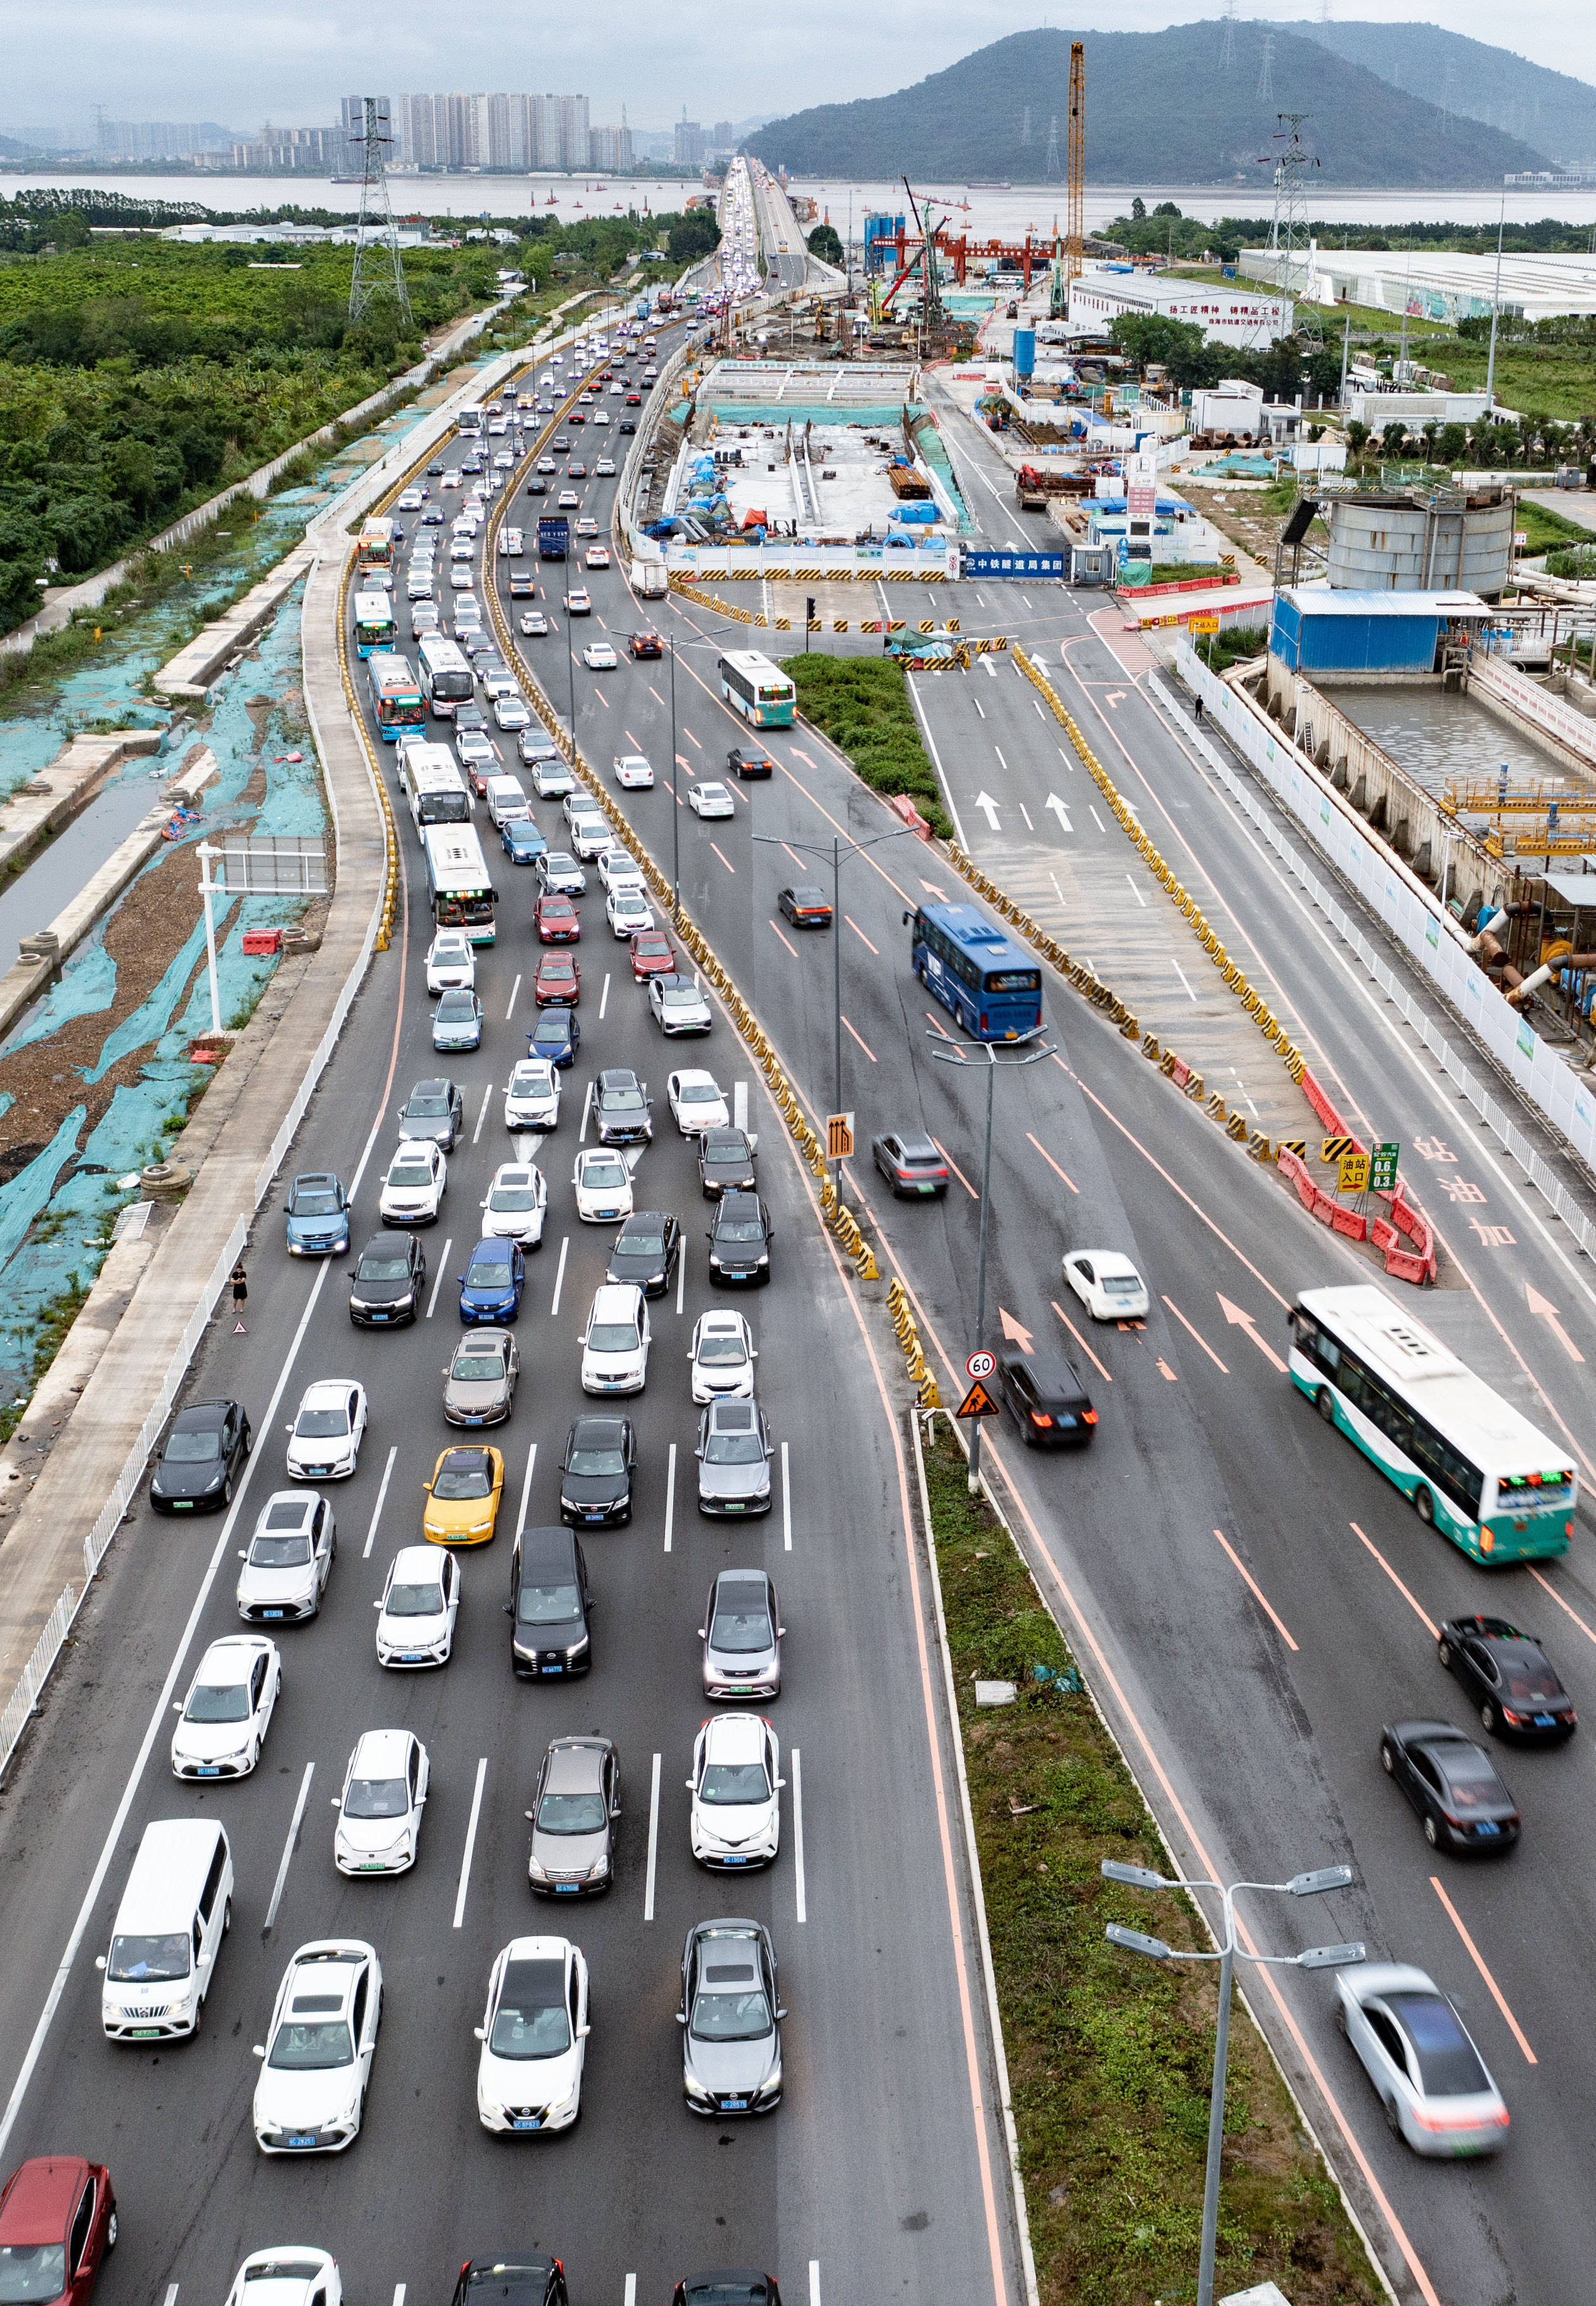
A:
x: 645, y: 1251
x: 806, y: 907
x: 1051, y: 1405
x: 726, y: 1162
x: 749, y: 761
x: 910, y: 1164
x: 203, y: 1457
x: 736, y: 2286
x: 1507, y: 1675
x: 739, y: 1240
x: 385, y: 1285
x: 596, y: 1474
x: 537, y: 486
x: 1452, y: 1783
x: 434, y: 1110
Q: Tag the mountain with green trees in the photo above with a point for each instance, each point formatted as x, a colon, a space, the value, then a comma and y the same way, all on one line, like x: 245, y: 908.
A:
x: 1472, y: 81
x: 1161, y: 108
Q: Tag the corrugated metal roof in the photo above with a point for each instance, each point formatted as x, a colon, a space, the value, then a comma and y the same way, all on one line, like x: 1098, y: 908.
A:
x: 1316, y: 600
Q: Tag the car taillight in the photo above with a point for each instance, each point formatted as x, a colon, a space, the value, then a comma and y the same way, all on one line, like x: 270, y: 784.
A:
x: 1038, y: 1418
x: 1089, y: 1417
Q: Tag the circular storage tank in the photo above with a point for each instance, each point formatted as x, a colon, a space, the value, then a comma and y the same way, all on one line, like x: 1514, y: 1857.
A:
x: 1394, y: 545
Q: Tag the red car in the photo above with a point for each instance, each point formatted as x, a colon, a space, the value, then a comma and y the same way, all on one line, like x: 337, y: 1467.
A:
x: 652, y: 954
x: 557, y: 982
x: 633, y: 400
x: 57, y: 2220
x: 647, y: 645
x: 576, y: 416
x: 557, y: 920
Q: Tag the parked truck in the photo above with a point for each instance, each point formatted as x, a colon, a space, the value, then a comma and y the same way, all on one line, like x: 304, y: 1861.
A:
x: 649, y: 581
x: 554, y: 536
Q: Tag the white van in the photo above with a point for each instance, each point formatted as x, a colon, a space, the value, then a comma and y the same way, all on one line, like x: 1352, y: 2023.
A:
x: 175, y: 1912
x: 507, y: 798
x: 434, y: 788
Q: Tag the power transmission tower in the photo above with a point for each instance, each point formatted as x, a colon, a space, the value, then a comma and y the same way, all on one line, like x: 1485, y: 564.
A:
x: 1446, y: 84
x: 1265, y: 77
x: 1051, y: 169
x: 379, y: 271
x: 1227, y: 40
x: 1288, y: 234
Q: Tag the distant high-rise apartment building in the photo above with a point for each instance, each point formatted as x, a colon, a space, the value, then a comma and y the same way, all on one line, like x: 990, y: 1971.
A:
x: 610, y: 147
x: 497, y: 130
x: 352, y: 119
x: 722, y: 136
x: 158, y: 140
x: 689, y: 143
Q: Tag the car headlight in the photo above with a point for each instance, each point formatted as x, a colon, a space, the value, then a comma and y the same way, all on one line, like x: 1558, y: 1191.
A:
x: 714, y: 1260
x: 538, y: 1873
x: 578, y: 1648
x: 697, y: 2091
x: 766, y: 1259
x: 769, y: 2086
x: 598, y: 1869
x: 215, y: 1482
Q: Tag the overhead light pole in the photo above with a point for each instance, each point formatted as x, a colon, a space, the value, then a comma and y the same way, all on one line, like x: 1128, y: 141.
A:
x: 949, y: 1052
x: 1326, y: 1957
x: 1496, y: 306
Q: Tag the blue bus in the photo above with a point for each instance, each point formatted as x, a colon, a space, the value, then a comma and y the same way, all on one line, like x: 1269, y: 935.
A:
x: 992, y: 985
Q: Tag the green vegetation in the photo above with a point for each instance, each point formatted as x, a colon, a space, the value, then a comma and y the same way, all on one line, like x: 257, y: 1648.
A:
x: 825, y: 244
x: 48, y: 1329
x: 687, y: 237
x: 1231, y: 645
x: 1110, y: 2058
x: 862, y: 704
x: 1577, y: 560
x: 1546, y: 530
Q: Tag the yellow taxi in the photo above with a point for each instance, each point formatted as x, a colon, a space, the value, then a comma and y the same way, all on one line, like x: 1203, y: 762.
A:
x: 463, y: 1496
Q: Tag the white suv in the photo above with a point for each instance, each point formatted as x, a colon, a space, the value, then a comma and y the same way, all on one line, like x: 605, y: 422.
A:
x: 615, y: 1342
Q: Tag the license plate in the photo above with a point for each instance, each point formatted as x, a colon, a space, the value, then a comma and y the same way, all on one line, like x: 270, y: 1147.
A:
x: 550, y: 1668
x: 411, y: 1657
x: 734, y: 1861
x: 1487, y: 1828
x: 593, y: 1516
x: 734, y: 2105
x: 370, y: 1865
x: 1545, y: 1720
x: 565, y: 1889
x: 524, y: 2122
x: 182, y: 1505
x: 144, y: 2034
x: 273, y: 1613
x: 302, y: 2138
x: 379, y: 1317
x: 925, y: 1189
x: 734, y: 1505
x: 208, y: 1770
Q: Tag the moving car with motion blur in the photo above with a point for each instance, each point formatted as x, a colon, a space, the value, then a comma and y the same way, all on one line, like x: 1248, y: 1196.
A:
x: 1050, y: 1404
x: 1436, y: 2090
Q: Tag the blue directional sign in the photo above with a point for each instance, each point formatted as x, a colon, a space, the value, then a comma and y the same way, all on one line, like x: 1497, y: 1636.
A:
x: 1037, y: 566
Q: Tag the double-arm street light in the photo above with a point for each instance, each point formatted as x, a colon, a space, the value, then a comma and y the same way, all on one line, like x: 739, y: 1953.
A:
x: 950, y: 1052
x: 1329, y: 1956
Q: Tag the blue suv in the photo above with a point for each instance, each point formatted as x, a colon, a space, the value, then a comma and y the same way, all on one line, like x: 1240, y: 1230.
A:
x: 317, y: 1221
x: 491, y: 1285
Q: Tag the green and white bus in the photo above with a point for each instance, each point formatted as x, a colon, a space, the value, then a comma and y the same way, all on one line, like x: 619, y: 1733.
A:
x: 1473, y: 1467
x: 756, y: 688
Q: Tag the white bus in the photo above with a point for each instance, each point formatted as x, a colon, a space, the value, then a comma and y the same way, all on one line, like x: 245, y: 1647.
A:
x: 1474, y: 1468
x: 470, y: 421
x: 373, y: 623
x: 374, y: 547
x: 446, y: 675
x: 434, y: 788
x: 458, y: 882
x: 757, y: 689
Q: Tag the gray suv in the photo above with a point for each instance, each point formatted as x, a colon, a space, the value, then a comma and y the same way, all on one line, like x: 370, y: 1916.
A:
x: 731, y: 2020
x: 734, y: 1459
x: 573, y: 1818
x: 741, y: 1633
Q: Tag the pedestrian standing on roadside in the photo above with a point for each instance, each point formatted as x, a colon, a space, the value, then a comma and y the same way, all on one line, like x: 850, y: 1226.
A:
x: 1197, y: 715
x: 241, y: 1290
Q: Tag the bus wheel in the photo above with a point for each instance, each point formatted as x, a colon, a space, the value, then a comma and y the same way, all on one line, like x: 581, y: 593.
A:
x: 1424, y: 1507
x: 1325, y: 1403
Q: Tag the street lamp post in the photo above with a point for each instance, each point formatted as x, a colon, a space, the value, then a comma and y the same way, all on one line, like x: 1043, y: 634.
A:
x: 1328, y: 1957
x: 950, y: 1052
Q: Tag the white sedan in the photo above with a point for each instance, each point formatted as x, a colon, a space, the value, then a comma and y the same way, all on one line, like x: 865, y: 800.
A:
x: 379, y: 1809
x: 415, y: 1617
x: 291, y: 2275
x: 324, y: 1437
x: 535, y: 2037
x: 618, y: 868
x: 1436, y: 2090
x: 578, y: 601
x: 517, y: 1204
x: 597, y: 556
x: 722, y: 1357
x: 598, y: 656
x: 510, y: 713
x: 697, y: 1102
x: 736, y: 1786
x: 228, y: 1712
x: 415, y: 1185
x: 710, y: 800
x: 317, y: 2055
x: 451, y: 963
x: 532, y: 1095
x: 1107, y: 1284
x: 634, y: 772
x: 604, y: 1185
x: 289, y: 1558
x: 679, y: 1007
x: 628, y: 911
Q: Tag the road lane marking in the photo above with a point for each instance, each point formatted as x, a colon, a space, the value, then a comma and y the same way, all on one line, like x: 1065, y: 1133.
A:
x: 629, y: 2295
x: 739, y: 1106
x: 1557, y: 1597
x: 1136, y: 893
x: 688, y: 734
x: 681, y: 1280
x: 976, y: 703
x: 1068, y: 762
x: 560, y: 1277
x: 859, y: 933
x: 1052, y: 1163
x: 859, y: 1037
x: 1492, y: 1988
x: 532, y: 1458
x: 442, y: 1269
x: 797, y: 859
x: 1026, y: 814
x: 1002, y: 763
x: 720, y: 853
x: 797, y: 1832
x: 508, y: 1013
x: 288, y: 1847
x: 1255, y: 1590
x: 482, y: 1115
x: 1239, y: 1319
x: 587, y: 1115
x: 786, y: 1503
x: 1096, y: 820
x: 958, y: 1172
x: 653, y: 1843
x: 792, y: 949
x: 398, y: 2293
x: 1198, y: 1334
x: 1180, y: 973
x: 377, y: 1508
x: 604, y: 997
x: 1106, y: 1375
x: 1423, y: 1615
x: 815, y: 2263
x: 476, y: 1810
x: 670, y: 1495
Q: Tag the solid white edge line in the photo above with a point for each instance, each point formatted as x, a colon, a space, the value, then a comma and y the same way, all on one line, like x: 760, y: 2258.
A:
x: 280, y: 1884
x: 156, y: 1723
x: 947, y: 792
x: 377, y: 1508
x: 670, y: 1495
x: 814, y: 2282
x: 532, y: 1458
x: 560, y: 1277
x: 739, y: 1105
x: 653, y: 1843
x: 510, y: 1007
x: 399, y: 2288
x: 442, y: 1265
x: 476, y: 1810
x: 786, y: 1505
x: 629, y: 2297
x: 797, y: 1830
x: 681, y: 1281
x: 482, y: 1115
x: 604, y: 997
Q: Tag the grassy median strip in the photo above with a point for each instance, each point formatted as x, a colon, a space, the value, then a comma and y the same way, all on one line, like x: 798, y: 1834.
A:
x: 862, y: 704
x: 1110, y: 2056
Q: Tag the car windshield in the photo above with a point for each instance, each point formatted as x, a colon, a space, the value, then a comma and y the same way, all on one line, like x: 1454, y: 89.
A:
x: 312, y: 2045
x: 623, y: 1100
x: 464, y: 1476
x: 731, y: 2017
x: 192, y: 1448
x: 740, y: 1626
x: 272, y: 1552
x: 136, y: 1960
x: 488, y: 1273
x: 455, y: 1009
x: 429, y: 1108
x: 680, y: 996
x: 531, y: 1080
x: 512, y: 1199
x: 714, y: 2292
x: 315, y: 1205
x: 740, y: 1229
x: 571, y: 1814
x: 322, y: 1425
x: 531, y: 2021
x: 383, y: 1264
x: 214, y: 1701
x: 641, y: 1244
x: 612, y: 1338
x: 733, y: 1449
x: 722, y: 1353
x: 410, y: 1176
x: 725, y: 1155
x: 478, y: 1368
x: 406, y: 1600
x: 377, y: 1798
x: 605, y: 1174
x: 699, y: 1093
x: 32, y: 2269
x: 549, y: 1605
x: 606, y: 1458
x: 733, y: 1784
x: 1448, y: 2062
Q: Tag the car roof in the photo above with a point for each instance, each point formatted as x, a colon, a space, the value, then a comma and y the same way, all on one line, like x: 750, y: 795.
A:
x: 200, y: 1416
x: 231, y: 1658
x: 436, y: 1085
x: 478, y: 1456
x: 575, y: 1765
x: 724, y: 1135
x: 1050, y: 1373
x: 617, y: 1077
x: 612, y: 1299
x: 40, y: 2198
x: 315, y: 1177
x: 327, y: 1389
x: 493, y: 1249
x: 512, y: 1173
x: 275, y: 1514
x: 759, y: 1577
x: 722, y: 1324
x: 915, y: 1145
x: 551, y: 1546
x: 739, y: 1204
x: 734, y: 1738
x: 733, y: 1416
x: 420, y: 1562
x: 693, y: 1074
x: 381, y: 1752
x: 1110, y: 1260
x: 598, y: 1425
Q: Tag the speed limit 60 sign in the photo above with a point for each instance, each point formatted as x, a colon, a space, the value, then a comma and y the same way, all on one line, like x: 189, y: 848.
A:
x: 981, y: 1364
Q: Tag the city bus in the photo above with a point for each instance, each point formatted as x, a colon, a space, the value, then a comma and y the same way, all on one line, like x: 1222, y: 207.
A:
x: 991, y: 984
x: 1474, y: 1468
x: 396, y: 697
x: 375, y: 548
x: 462, y: 895
x: 373, y: 623
x: 470, y: 421
x: 446, y: 675
x: 756, y: 688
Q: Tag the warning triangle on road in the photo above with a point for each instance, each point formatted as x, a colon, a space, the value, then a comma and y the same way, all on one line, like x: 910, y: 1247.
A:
x: 978, y: 1403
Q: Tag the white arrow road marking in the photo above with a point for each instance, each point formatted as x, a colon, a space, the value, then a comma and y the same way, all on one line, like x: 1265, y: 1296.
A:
x: 988, y: 808
x: 1057, y: 807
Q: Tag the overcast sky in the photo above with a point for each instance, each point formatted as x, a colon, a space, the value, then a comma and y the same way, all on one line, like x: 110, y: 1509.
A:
x: 290, y: 60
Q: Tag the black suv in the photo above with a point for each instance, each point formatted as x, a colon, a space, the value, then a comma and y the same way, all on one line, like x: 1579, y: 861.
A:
x: 528, y: 2278
x: 726, y: 1162
x: 645, y: 1251
x: 549, y: 1605
x: 385, y: 1285
x: 596, y: 1474
x: 739, y: 1240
